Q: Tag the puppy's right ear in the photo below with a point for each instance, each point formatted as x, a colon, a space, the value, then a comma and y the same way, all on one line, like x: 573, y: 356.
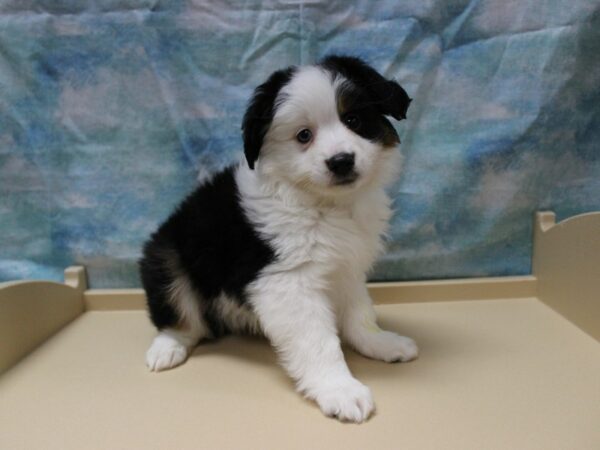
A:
x: 260, y: 112
x: 389, y: 97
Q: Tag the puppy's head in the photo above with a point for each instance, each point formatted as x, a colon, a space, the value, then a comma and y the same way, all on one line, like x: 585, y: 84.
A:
x: 324, y: 128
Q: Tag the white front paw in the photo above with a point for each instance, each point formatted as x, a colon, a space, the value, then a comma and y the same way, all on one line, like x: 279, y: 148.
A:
x: 389, y: 347
x: 348, y: 401
x: 165, y: 353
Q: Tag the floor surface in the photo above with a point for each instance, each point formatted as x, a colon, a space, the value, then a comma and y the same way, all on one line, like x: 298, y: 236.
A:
x: 501, y: 374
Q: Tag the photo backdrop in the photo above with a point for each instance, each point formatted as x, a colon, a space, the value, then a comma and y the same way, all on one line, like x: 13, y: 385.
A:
x: 110, y: 111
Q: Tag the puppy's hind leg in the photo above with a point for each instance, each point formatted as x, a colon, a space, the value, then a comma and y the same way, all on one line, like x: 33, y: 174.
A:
x: 174, y: 343
x: 169, y: 349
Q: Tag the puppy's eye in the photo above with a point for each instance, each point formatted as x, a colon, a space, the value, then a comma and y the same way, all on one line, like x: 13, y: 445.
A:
x: 352, y: 121
x: 304, y: 136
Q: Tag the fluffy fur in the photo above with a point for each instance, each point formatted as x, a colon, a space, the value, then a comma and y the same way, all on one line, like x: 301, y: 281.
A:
x: 280, y: 243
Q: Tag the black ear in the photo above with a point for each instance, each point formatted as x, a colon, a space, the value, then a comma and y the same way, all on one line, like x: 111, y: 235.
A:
x: 259, y: 114
x: 389, y: 97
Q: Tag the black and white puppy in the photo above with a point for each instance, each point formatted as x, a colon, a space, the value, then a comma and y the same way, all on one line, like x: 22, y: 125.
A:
x: 280, y: 243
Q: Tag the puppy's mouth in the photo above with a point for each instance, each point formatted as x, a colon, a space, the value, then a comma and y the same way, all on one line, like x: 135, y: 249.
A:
x: 345, y: 180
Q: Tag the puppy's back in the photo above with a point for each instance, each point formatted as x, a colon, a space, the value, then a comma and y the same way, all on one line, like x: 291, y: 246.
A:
x: 209, y: 241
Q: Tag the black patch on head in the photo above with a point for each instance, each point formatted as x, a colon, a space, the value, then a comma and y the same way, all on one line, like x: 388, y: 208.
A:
x: 260, y: 113
x: 387, y: 96
x: 358, y: 112
x: 212, y: 243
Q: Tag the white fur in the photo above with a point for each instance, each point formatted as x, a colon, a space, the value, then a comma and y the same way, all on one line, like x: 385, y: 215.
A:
x: 184, y: 299
x: 325, y: 237
x: 169, y: 349
x: 238, y: 318
x: 359, y: 324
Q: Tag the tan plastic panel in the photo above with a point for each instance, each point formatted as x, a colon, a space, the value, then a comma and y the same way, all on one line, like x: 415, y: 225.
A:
x: 114, y: 299
x: 32, y: 311
x: 381, y: 293
x: 566, y: 262
x: 452, y: 290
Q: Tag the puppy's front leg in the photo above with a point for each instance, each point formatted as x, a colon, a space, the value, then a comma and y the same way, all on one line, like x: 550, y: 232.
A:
x: 298, y: 319
x: 359, y: 324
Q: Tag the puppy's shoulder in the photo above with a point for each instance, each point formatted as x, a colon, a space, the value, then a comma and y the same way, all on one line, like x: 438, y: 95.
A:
x: 214, y: 192
x: 210, y: 207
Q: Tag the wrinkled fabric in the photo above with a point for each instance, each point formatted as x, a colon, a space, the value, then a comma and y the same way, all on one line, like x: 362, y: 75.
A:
x: 111, y: 111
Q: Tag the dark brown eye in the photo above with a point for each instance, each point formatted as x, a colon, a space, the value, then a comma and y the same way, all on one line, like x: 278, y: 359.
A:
x: 352, y: 121
x: 304, y: 136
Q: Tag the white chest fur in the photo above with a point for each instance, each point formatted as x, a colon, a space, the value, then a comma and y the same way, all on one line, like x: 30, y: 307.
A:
x: 333, y: 236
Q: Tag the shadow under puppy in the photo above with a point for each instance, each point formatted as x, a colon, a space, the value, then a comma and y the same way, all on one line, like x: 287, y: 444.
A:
x: 279, y: 244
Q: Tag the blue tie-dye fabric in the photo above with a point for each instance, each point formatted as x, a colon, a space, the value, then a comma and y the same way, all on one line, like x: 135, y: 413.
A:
x: 109, y: 112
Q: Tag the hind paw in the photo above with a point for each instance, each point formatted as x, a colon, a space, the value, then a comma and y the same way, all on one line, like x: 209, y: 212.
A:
x: 165, y: 353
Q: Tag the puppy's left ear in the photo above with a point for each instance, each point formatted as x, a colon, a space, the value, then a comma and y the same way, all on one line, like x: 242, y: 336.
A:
x: 260, y: 112
x: 389, y: 97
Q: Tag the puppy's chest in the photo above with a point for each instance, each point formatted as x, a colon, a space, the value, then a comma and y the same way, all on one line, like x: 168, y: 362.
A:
x: 329, y: 237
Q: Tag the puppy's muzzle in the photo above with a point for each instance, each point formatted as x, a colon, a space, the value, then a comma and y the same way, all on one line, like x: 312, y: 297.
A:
x: 341, y: 165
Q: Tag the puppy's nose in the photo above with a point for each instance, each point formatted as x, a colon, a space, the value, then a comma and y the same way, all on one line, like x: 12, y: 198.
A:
x: 341, y: 164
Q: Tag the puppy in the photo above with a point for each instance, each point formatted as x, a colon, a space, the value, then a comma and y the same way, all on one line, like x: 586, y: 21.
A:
x: 280, y: 243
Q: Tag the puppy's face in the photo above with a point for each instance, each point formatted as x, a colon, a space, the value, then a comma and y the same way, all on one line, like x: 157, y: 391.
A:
x: 323, y: 128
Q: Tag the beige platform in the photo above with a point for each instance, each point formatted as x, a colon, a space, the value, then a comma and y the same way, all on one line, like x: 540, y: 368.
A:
x: 499, y: 368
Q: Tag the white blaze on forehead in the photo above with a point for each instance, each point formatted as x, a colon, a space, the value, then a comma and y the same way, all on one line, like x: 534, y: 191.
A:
x: 309, y: 98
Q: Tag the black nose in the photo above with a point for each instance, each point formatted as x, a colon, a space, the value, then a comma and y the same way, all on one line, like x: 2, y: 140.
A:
x: 341, y: 164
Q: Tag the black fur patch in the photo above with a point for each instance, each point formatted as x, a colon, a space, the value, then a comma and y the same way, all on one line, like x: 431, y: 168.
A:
x: 370, y: 124
x: 386, y: 95
x: 259, y: 114
x: 209, y: 240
